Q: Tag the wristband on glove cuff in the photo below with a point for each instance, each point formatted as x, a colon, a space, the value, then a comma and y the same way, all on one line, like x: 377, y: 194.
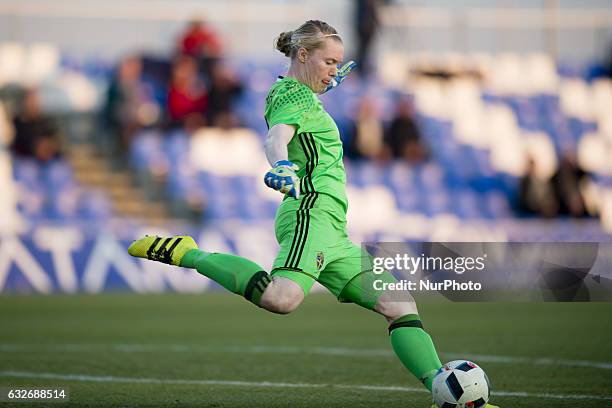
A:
x: 283, y: 163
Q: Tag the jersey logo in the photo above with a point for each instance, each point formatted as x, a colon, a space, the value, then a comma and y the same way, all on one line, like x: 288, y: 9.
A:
x: 320, y: 260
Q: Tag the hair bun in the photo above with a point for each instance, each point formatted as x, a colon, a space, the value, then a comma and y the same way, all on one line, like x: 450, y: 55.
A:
x: 283, y: 43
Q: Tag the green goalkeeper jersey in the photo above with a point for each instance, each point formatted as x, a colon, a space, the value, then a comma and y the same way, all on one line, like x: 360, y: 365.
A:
x: 316, y: 146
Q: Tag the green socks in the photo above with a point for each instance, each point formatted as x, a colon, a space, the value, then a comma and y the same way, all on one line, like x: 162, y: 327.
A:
x: 414, y: 348
x: 236, y: 274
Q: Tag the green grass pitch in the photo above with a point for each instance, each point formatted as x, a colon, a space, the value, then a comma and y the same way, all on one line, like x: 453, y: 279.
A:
x: 216, y: 350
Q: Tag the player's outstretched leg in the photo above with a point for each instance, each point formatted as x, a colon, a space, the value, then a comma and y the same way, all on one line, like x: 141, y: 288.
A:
x: 236, y: 274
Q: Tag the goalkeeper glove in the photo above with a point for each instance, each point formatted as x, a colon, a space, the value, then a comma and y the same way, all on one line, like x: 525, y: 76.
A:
x: 341, y: 75
x: 282, y: 177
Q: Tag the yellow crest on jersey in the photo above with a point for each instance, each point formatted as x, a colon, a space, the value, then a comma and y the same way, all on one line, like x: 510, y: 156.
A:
x: 320, y: 260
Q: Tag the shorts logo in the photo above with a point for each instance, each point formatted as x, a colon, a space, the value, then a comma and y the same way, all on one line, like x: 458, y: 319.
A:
x: 320, y: 260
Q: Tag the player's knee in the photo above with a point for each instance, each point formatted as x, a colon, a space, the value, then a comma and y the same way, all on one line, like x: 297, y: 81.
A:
x: 281, y: 303
x: 282, y: 299
x: 394, y: 306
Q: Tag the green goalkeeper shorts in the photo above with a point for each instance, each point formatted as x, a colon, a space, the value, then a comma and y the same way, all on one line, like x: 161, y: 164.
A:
x: 314, y: 246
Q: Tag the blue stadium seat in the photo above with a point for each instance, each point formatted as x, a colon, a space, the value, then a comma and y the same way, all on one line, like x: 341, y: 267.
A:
x: 466, y: 204
x: 496, y: 205
x: 222, y: 207
x: 176, y: 145
x: 62, y: 205
x: 27, y: 172
x: 58, y: 175
x: 437, y: 202
x: 144, y: 148
x: 411, y: 202
x: 371, y: 173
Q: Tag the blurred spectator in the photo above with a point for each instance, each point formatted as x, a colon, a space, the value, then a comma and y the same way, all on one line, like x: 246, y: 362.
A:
x: 367, y: 23
x: 10, y: 220
x: 187, y: 97
x: 403, y: 137
x: 568, y: 182
x: 608, y: 60
x: 129, y: 104
x: 202, y: 43
x: 6, y: 128
x: 225, y: 88
x: 367, y: 133
x: 226, y: 120
x: 36, y: 134
x: 536, y: 194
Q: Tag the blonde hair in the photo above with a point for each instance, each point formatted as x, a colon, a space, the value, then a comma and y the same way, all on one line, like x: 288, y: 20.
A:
x: 309, y: 35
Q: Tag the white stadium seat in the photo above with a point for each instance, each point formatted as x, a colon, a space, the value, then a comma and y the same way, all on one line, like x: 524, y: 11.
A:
x: 540, y: 73
x: 430, y: 98
x: 575, y: 99
x: 507, y: 77
x: 82, y: 94
x: 393, y: 70
x: 606, y: 210
x: 542, y: 150
x: 594, y: 152
x: 377, y: 201
x: 235, y: 152
x: 41, y: 62
x: 12, y: 61
x: 602, y: 103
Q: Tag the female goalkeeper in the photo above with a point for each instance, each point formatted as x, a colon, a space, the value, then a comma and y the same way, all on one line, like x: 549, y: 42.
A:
x: 304, y: 148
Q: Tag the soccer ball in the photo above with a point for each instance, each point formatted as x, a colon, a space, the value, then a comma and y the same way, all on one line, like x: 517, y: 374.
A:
x: 461, y: 384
